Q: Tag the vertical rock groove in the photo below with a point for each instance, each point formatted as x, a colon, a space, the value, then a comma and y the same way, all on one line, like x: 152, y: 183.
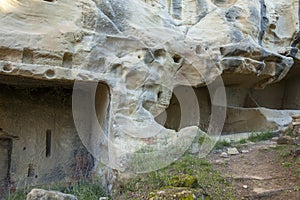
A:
x: 294, y: 49
x: 177, y: 8
x: 263, y: 22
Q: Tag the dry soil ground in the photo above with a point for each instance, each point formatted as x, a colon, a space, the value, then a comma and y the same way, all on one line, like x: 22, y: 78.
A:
x: 267, y: 171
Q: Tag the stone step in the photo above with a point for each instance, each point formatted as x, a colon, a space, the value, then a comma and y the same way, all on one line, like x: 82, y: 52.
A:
x: 296, y: 116
x: 295, y: 123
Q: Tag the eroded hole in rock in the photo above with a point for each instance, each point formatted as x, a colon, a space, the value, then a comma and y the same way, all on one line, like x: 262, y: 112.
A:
x: 247, y: 106
x: 182, y: 111
x: 244, y: 104
x: 171, y: 118
x: 224, y: 3
x: 102, y: 105
x: 159, y: 54
x: 10, y: 54
x: 67, y: 60
x: 7, y: 68
x: 177, y: 9
x: 284, y: 95
x: 199, y: 49
x: 177, y: 58
x: 50, y: 0
x: 27, y: 56
x: 50, y: 73
x: 91, y: 109
x: 159, y: 94
x: 31, y: 171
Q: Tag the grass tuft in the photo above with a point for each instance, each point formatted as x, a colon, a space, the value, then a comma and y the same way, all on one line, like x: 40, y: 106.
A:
x: 209, y: 181
x: 83, y: 191
x: 256, y: 137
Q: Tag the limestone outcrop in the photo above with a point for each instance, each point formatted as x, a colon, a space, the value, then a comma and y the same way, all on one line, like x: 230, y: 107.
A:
x: 146, y: 76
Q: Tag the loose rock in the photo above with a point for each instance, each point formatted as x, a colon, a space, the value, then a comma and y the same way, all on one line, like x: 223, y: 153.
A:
x: 285, y: 140
x: 232, y: 151
x: 40, y: 194
x: 224, y: 155
x: 245, y: 186
x: 274, y: 139
x: 245, y: 151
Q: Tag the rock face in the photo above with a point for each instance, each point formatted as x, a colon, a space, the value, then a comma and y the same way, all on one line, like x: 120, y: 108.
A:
x: 140, y: 71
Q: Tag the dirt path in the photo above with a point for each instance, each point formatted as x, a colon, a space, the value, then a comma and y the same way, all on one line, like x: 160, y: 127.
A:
x: 267, y: 171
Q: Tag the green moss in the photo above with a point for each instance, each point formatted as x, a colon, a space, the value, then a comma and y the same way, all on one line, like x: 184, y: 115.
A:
x: 175, y: 193
x: 183, y: 180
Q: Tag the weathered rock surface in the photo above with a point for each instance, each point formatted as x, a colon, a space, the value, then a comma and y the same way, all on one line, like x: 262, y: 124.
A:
x: 285, y: 140
x: 145, y: 53
x: 232, y: 151
x: 39, y: 194
x: 224, y: 155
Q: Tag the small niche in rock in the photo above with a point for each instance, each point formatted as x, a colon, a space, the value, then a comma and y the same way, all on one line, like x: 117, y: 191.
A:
x: 177, y: 58
x: 31, y: 171
x: 224, y: 3
x: 159, y: 54
x: 27, y: 56
x: 7, y: 68
x: 48, y: 143
x: 50, y: 73
x: 184, y: 108
x: 67, y: 60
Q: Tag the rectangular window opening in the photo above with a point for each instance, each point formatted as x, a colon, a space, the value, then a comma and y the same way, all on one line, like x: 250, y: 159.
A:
x: 48, y: 143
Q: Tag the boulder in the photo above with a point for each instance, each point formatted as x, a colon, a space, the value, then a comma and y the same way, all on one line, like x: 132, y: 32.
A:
x: 224, y: 155
x: 40, y: 194
x: 285, y: 140
x: 232, y: 151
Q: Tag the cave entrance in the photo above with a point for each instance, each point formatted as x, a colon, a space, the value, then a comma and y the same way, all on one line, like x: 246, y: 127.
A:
x: 90, y: 108
x: 5, y: 161
x: 46, y: 142
x: 241, y: 115
x: 284, y: 95
x: 189, y: 106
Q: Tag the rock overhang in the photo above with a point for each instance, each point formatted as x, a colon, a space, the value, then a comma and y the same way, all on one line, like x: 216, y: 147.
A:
x: 143, y: 49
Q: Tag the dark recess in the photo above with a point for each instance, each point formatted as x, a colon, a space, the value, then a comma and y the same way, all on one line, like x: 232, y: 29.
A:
x: 48, y: 143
